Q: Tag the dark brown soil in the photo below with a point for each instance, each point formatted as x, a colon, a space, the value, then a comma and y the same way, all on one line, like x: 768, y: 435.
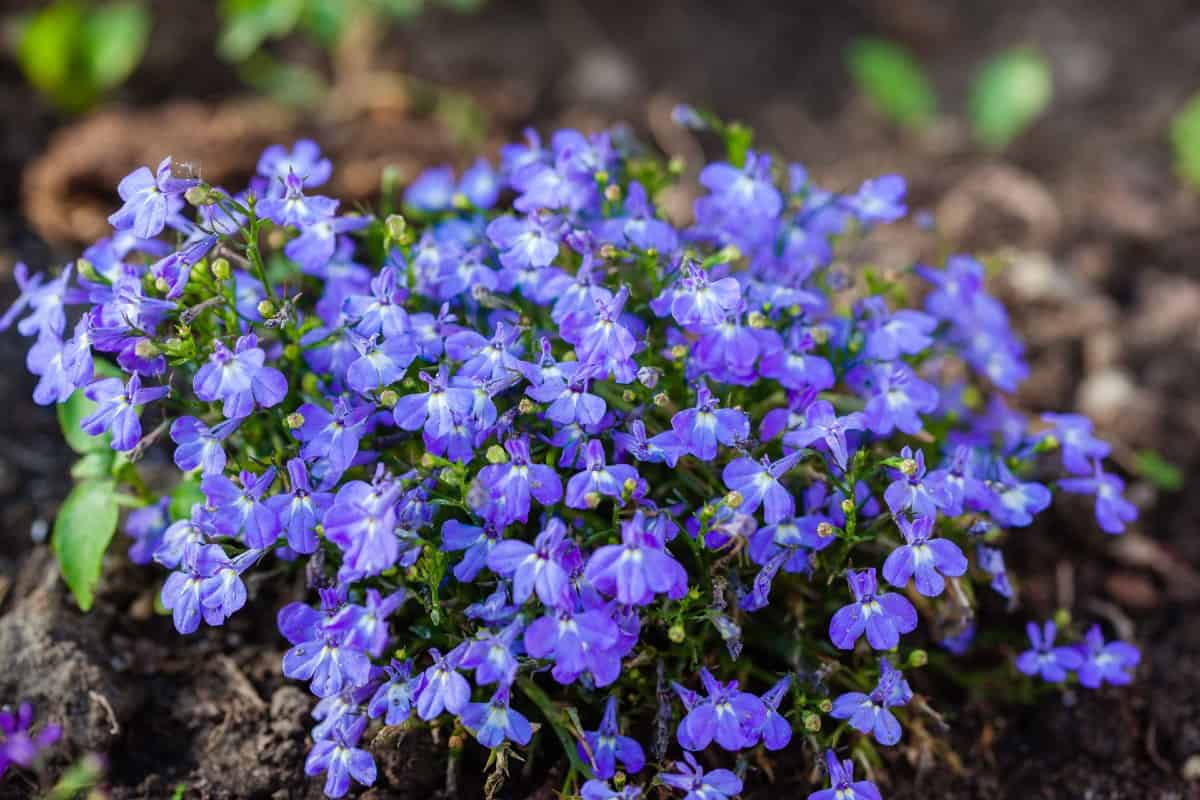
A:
x: 1103, y: 252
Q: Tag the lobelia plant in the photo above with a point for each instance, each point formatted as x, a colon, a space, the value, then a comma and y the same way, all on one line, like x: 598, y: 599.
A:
x: 559, y: 472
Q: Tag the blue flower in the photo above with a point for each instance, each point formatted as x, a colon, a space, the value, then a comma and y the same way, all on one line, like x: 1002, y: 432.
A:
x: 493, y: 656
x: 1079, y: 447
x: 434, y: 409
x: 393, y: 700
x: 300, y: 510
x: 1113, y: 511
x: 842, y: 785
x: 637, y: 569
x: 598, y: 479
x: 569, y: 399
x: 879, y: 200
x: 240, y: 380
x: 717, y: 784
x: 199, y: 446
x: 603, y: 748
x: 18, y: 744
x: 895, y: 397
x: 304, y: 160
x: 823, y: 424
x: 525, y: 242
x: 495, y: 721
x: 442, y: 688
x: 511, y: 485
x: 869, y: 713
x: 578, y: 641
x: 341, y: 759
x: 362, y: 522
x: 150, y: 197
x: 1043, y: 658
x: 537, y: 566
x: 242, y: 510
x: 776, y: 730
x: 758, y: 484
x: 923, y: 556
x: 1106, y: 663
x: 117, y: 409
x: 881, y: 616
x: 730, y: 716
x: 701, y: 428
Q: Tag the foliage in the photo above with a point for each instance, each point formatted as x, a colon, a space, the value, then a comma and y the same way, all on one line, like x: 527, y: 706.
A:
x: 1010, y: 92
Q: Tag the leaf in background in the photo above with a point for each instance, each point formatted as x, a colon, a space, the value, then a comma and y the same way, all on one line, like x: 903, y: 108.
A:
x: 113, y: 41
x: 326, y: 19
x: 83, y: 529
x: 1009, y: 93
x: 248, y: 23
x: 47, y: 45
x: 1160, y: 472
x: 889, y: 76
x: 1185, y: 140
x: 184, y: 496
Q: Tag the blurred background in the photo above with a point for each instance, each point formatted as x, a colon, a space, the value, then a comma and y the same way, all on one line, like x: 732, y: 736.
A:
x: 1060, y: 139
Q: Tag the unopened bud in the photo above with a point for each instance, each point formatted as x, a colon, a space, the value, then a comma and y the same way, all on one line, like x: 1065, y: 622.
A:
x: 825, y: 706
x: 918, y: 658
x: 648, y: 376
x: 162, y: 285
x: 676, y: 165
x: 847, y: 506
x: 729, y: 253
x: 619, y: 779
x: 1062, y: 618
x: 276, y: 238
x: 628, y: 396
x: 86, y: 269
x: 679, y: 351
x: 526, y: 406
x: 146, y: 349
x: 294, y: 420
x: 460, y: 201
x: 291, y: 352
x: 221, y: 270
x: 812, y: 722
x: 629, y: 486
x: 601, y: 176
x: 266, y: 309
x: 496, y: 454
x: 388, y: 398
x: 427, y: 461
x: 825, y: 530
x: 612, y: 192
x: 909, y: 467
x: 734, y: 499
x: 591, y: 499
x: 676, y: 633
x: 662, y: 399
x: 757, y: 319
x: 395, y: 225
x: 199, y: 195
x: 608, y: 251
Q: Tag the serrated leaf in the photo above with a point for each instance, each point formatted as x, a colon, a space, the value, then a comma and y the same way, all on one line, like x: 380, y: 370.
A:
x: 113, y: 41
x: 186, y: 494
x: 1185, y: 140
x: 892, y: 79
x: 1009, y: 93
x: 84, y: 527
x: 1160, y: 472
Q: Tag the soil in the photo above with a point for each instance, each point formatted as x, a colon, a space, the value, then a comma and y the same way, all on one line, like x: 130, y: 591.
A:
x: 1102, y: 247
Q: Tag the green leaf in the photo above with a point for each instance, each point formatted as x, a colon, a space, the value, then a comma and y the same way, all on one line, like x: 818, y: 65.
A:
x: 1160, y: 472
x: 248, y: 23
x: 96, y: 464
x: 113, y: 41
x: 83, y: 529
x: 1009, y: 93
x: 894, y: 82
x: 186, y: 494
x: 1185, y: 140
x: 47, y: 46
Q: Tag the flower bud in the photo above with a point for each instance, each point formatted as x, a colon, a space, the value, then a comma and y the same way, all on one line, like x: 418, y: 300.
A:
x: 460, y: 201
x: 729, y: 253
x: 161, y: 285
x: 825, y: 530
x: 199, y: 195
x: 612, y: 192
x: 276, y: 238
x: 618, y: 779
x: 628, y: 396
x: 825, y: 706
x: 291, y: 352
x: 676, y: 633
x: 662, y: 399
x: 909, y: 467
x: 1062, y: 618
x: 679, y: 351
x: 918, y: 658
x: 86, y: 269
x: 266, y: 309
x: 819, y: 334
x: 427, y: 461
x: 526, y: 406
x: 757, y: 320
x: 591, y: 499
x: 146, y: 349
x: 608, y: 251
x: 395, y: 225
x: 388, y: 398
x: 734, y: 499
x: 496, y: 454
x: 676, y: 165
x: 601, y: 176
x: 629, y: 486
x: 310, y: 383
x: 812, y: 722
x: 221, y: 270
x: 294, y: 420
x: 847, y: 506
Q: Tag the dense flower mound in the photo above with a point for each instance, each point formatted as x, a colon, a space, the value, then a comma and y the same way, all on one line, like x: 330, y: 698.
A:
x: 561, y: 472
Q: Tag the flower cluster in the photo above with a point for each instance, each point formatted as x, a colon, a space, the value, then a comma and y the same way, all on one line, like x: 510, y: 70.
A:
x: 19, y: 745
x: 535, y: 448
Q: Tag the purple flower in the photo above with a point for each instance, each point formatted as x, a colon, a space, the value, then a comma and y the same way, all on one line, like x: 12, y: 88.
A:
x: 600, y: 790
x: 341, y: 759
x: 730, y: 716
x: 200, y: 446
x: 1043, y: 658
x: 1014, y: 503
x: 46, y: 303
x: 476, y: 543
x: 490, y: 359
x: 524, y: 242
x: 911, y: 491
x: 869, y: 713
x: 149, y: 198
x: 579, y: 642
x: 304, y: 160
x: 288, y: 205
x: 301, y: 510
x: 604, y: 747
x: 442, y: 688
x: 923, y: 556
x: 242, y: 509
x: 494, y: 721
x: 332, y: 437
x: 898, y: 333
x: 598, y: 479
x: 842, y: 785
x: 320, y: 650
x: 776, y: 730
x: 181, y: 592
x: 537, y: 567
x: 511, y: 485
x: 362, y: 522
x: 434, y: 410
x: 240, y: 379
x: 382, y: 312
x: 882, y: 616
x: 117, y: 410
x: 1079, y: 446
x: 18, y: 744
x: 317, y: 242
x: 393, y: 700
x: 379, y: 364
x: 717, y: 784
x: 223, y: 593
x: 569, y: 399
x: 493, y: 656
x: 697, y: 301
x: 146, y: 527
x: 1113, y: 511
x: 701, y: 428
x: 1106, y: 663
x: 879, y: 200
x: 823, y: 424
x: 895, y: 396
x: 758, y: 484
x: 637, y: 569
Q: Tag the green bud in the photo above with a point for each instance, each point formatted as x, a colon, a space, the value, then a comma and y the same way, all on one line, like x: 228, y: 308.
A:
x: 266, y: 309
x: 734, y: 499
x: 847, y: 506
x: 662, y: 399
x: 608, y: 251
x: 619, y: 779
x: 918, y: 658
x: 146, y: 349
x: 825, y: 706
x: 729, y: 253
x: 291, y: 352
x: 676, y: 633
x: 310, y: 383
x: 678, y: 352
x: 1047, y: 444
x: 628, y: 396
x: 825, y: 530
x: 86, y: 269
x: 395, y: 225
x: 612, y: 192
x: 909, y: 467
x: 199, y: 195
x: 496, y: 454
x: 221, y: 270
x: 388, y: 398
x: 526, y: 406
x: 294, y: 420
x: 601, y: 177
x: 591, y: 499
x: 161, y: 285
x: 676, y: 165
x: 1062, y: 618
x: 629, y: 486
x: 460, y: 201
x: 812, y: 722
x: 819, y: 333
x: 757, y: 320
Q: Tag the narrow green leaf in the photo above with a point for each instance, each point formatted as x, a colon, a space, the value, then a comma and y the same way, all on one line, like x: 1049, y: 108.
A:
x: 185, y: 495
x: 1009, y: 93
x: 83, y: 529
x: 114, y: 39
x: 894, y: 82
x: 1160, y: 472
x: 1185, y: 140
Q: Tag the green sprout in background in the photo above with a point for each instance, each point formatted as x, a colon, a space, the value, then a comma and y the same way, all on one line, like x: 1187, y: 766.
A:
x: 1185, y: 141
